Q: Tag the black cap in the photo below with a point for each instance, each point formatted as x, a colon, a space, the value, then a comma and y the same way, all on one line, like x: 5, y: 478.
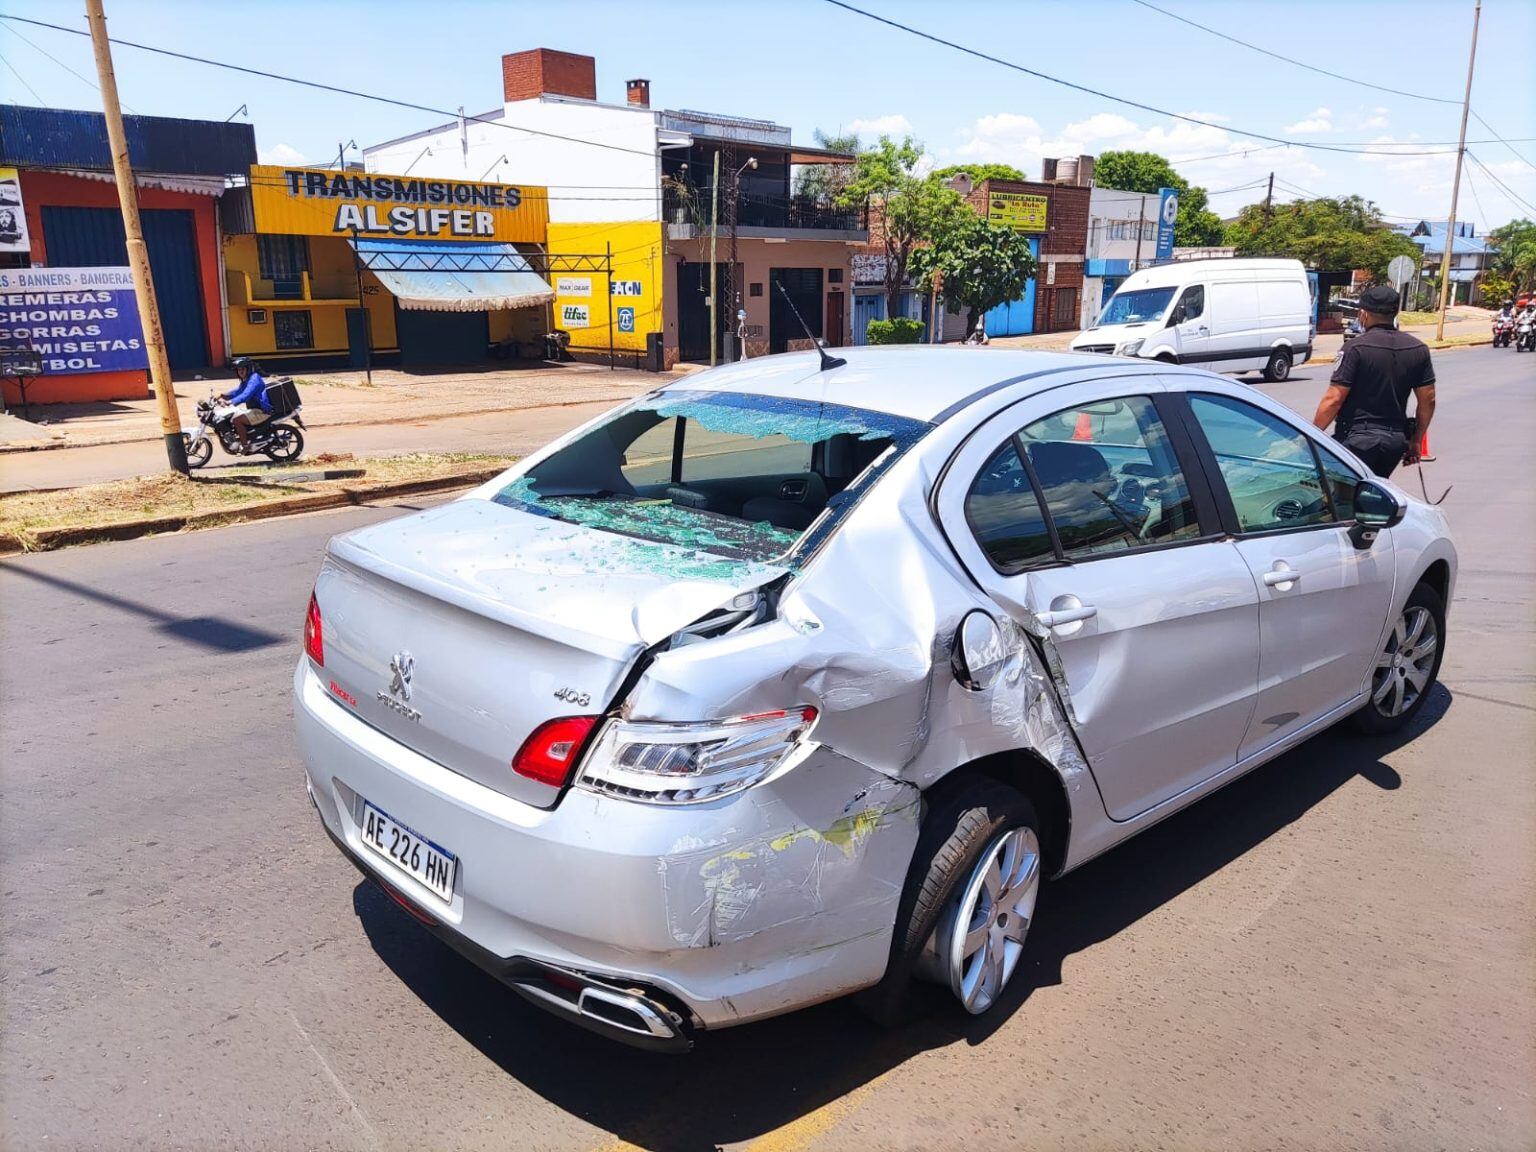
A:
x: 1381, y: 299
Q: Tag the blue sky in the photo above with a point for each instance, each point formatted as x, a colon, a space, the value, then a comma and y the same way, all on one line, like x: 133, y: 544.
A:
x: 810, y: 65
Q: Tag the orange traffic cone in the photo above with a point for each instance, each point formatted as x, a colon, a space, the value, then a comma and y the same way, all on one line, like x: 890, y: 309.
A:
x: 1084, y: 429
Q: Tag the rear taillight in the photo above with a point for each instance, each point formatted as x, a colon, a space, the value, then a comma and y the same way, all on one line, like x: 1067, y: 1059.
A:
x: 314, y: 633
x: 551, y: 752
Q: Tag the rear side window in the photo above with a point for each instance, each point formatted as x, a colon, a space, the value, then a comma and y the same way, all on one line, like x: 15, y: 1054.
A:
x: 1268, y: 466
x: 1110, y: 478
x: 1005, y: 514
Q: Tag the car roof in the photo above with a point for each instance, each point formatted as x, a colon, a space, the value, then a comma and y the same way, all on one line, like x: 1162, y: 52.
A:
x: 918, y: 382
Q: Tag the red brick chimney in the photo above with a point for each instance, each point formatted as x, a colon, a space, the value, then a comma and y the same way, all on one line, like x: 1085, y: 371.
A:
x: 638, y: 93
x: 543, y: 71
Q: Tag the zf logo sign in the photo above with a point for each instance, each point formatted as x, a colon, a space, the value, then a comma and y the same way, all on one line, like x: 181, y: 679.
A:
x: 573, y: 316
x: 626, y: 319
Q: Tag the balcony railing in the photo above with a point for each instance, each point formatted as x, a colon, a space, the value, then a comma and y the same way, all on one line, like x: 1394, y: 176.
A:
x: 691, y: 204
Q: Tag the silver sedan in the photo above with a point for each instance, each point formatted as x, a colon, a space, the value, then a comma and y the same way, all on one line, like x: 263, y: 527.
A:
x: 797, y: 678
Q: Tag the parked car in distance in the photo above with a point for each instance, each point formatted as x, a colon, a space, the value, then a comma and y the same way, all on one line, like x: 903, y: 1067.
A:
x: 778, y: 684
x: 1222, y: 315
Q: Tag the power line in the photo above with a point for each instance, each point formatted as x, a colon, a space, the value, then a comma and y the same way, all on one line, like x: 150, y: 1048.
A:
x: 1478, y: 200
x: 1508, y: 191
x: 1102, y: 95
x: 1297, y: 63
x: 454, y: 115
x: 1519, y: 155
x: 23, y: 80
x: 86, y: 80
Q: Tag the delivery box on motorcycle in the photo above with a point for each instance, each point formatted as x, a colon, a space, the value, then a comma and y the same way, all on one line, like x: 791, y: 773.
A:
x: 283, y: 395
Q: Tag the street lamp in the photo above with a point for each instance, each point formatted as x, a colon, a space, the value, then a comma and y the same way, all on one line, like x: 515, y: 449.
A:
x: 735, y: 198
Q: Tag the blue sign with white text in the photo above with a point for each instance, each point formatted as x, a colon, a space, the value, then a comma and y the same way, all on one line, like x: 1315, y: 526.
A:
x: 626, y: 319
x: 80, y: 319
x: 1167, y: 217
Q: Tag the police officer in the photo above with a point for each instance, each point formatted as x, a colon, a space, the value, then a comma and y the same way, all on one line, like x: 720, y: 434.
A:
x: 1368, y: 392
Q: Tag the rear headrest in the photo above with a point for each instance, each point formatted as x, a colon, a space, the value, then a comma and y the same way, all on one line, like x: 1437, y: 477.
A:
x: 1066, y: 462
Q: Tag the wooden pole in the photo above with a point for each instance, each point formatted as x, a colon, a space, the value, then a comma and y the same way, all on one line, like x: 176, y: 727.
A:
x: 1461, y: 151
x: 138, y: 254
x: 714, y: 232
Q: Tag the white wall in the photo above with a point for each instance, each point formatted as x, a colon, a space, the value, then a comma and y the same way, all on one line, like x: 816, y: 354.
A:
x: 586, y: 183
x: 1112, y: 219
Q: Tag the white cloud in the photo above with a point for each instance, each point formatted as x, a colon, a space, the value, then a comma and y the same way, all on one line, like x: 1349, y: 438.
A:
x: 284, y: 154
x: 895, y: 126
x: 1376, y: 118
x: 1321, y: 120
x: 1103, y: 126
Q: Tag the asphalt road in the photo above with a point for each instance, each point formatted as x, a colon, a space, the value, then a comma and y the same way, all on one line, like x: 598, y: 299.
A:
x: 1335, y: 952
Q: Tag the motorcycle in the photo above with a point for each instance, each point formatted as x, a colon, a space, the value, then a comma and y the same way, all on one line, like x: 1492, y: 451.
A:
x: 1503, y: 331
x: 1525, y: 334
x: 279, y: 437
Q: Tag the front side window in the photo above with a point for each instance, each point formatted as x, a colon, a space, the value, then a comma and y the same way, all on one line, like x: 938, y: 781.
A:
x: 1191, y: 305
x: 1342, y: 482
x: 730, y: 474
x: 1268, y: 466
x: 1110, y: 479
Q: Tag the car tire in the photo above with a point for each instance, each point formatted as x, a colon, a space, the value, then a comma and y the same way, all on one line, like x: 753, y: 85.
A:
x: 1394, y: 698
x: 1279, y: 366
x: 958, y: 833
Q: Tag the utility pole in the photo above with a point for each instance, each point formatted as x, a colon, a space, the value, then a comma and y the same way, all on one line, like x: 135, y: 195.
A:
x: 133, y: 234
x: 1461, y: 151
x: 714, y: 233
x: 1141, y: 227
x: 1269, y: 198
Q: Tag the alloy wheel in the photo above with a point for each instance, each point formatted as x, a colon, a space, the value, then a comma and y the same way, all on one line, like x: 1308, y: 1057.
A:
x: 983, y: 936
x: 1406, y: 662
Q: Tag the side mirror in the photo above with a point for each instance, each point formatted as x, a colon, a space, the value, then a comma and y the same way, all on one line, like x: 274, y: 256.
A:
x: 979, y: 652
x: 1375, y: 509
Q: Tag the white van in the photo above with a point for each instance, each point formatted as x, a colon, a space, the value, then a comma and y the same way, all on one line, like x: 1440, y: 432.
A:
x: 1222, y: 315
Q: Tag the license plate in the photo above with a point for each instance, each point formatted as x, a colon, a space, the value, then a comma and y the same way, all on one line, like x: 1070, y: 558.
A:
x: 409, y: 852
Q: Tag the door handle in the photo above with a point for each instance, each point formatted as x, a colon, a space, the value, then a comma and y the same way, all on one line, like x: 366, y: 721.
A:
x: 1203, y: 331
x: 1282, y: 576
x: 1059, y: 616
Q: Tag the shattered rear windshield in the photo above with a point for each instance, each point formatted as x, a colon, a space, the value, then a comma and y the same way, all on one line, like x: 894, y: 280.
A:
x: 725, y: 473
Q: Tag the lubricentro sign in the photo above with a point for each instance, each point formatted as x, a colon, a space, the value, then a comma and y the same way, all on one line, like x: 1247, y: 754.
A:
x: 1021, y: 211
x: 320, y: 202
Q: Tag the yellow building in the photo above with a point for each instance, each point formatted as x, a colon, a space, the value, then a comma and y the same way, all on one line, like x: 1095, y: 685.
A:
x: 328, y: 267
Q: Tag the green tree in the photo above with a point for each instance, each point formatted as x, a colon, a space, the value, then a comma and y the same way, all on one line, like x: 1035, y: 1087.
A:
x: 981, y: 265
x: 980, y: 172
x: 912, y: 208
x: 1332, y: 232
x: 1196, y: 227
x: 1514, y: 253
x: 824, y: 183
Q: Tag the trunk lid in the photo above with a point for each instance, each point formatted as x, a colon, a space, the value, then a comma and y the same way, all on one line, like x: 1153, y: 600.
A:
x: 507, y: 620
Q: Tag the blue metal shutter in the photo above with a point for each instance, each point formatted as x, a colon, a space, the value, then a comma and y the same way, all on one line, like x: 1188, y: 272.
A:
x: 93, y: 237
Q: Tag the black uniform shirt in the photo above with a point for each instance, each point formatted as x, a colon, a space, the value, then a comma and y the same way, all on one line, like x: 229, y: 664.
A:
x: 1381, y: 367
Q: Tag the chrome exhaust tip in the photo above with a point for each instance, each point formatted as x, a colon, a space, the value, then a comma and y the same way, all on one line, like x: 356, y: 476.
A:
x: 628, y: 1015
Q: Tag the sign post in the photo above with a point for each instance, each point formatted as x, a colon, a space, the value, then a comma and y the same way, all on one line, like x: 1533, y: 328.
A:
x: 1167, y: 217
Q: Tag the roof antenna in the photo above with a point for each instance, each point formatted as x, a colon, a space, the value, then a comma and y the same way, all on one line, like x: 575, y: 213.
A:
x: 827, y: 362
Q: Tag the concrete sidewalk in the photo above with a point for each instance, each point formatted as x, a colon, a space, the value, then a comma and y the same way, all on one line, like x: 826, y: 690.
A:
x: 340, y: 398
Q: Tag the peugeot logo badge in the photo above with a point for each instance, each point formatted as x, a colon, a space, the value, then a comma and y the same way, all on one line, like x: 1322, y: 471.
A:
x: 402, y: 666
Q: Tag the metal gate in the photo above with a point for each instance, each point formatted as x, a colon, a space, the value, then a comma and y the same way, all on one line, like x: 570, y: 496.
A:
x: 867, y: 306
x: 803, y: 286
x: 1017, y: 317
x: 93, y: 238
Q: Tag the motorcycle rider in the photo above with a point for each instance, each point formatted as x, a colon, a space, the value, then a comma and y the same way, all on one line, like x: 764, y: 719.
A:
x: 250, y: 399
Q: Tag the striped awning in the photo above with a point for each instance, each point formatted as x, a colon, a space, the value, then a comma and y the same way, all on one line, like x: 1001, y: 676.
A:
x: 445, y: 276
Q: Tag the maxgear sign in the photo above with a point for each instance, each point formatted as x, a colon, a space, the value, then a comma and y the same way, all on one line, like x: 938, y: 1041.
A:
x: 79, y: 319
x: 324, y: 202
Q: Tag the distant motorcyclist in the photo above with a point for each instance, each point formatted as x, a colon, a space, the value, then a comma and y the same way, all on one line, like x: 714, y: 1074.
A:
x: 249, y: 400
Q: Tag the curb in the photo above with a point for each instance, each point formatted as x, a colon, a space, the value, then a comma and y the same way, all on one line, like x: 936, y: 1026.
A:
x: 52, y: 539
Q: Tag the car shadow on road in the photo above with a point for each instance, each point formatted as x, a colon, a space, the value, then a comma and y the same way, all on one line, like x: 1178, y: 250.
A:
x: 743, y: 1082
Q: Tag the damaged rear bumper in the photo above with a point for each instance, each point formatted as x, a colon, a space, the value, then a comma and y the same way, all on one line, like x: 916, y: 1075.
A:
x: 776, y: 898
